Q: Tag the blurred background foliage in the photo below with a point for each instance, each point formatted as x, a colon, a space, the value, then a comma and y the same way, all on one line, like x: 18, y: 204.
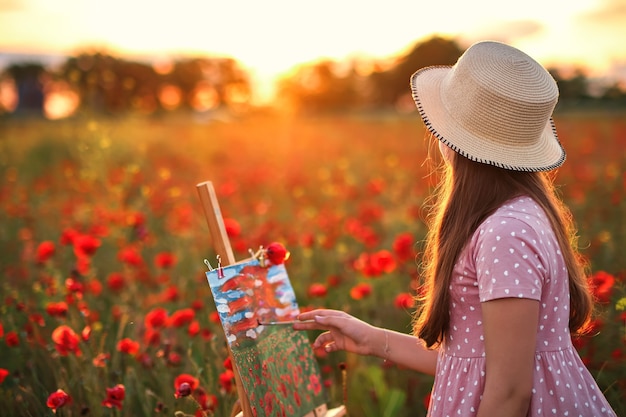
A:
x: 96, y: 82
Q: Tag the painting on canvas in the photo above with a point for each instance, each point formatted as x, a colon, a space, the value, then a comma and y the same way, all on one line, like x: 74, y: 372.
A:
x: 276, y: 364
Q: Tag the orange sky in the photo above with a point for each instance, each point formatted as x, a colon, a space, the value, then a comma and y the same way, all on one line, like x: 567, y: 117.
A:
x: 270, y: 37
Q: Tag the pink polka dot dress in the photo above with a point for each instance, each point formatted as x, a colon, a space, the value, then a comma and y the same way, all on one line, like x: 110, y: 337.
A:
x: 514, y: 253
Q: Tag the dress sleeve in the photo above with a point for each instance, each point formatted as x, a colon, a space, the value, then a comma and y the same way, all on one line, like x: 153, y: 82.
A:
x: 509, y: 262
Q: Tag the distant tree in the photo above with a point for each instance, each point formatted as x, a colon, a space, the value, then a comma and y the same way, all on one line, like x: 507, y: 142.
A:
x: 572, y: 90
x: 29, y: 85
x: 614, y: 94
x: 392, y: 84
x: 108, y: 84
x: 186, y: 75
x: 210, y: 82
x: 320, y: 87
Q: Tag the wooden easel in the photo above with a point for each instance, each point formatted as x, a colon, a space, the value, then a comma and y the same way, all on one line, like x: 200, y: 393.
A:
x: 221, y: 245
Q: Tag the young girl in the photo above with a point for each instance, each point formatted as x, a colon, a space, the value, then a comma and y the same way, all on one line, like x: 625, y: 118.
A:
x: 504, y: 285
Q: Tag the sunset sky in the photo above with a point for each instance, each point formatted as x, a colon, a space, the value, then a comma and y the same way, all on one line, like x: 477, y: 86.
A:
x: 270, y: 37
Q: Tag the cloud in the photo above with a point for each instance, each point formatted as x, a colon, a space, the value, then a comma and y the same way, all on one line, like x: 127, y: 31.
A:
x: 606, y: 31
x: 611, y: 14
x: 12, y: 6
x: 507, y: 31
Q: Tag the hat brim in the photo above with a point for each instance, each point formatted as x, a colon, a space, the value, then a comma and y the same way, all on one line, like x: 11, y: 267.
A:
x: 543, y: 155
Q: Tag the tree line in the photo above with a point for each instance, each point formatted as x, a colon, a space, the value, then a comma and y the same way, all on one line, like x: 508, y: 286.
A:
x: 102, y: 83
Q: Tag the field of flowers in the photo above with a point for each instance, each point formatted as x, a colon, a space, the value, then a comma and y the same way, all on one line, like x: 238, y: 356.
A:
x: 104, y: 305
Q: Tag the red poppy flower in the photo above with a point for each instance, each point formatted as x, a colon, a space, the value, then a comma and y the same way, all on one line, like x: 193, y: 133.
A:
x: 156, y: 318
x: 37, y: 319
x: 214, y: 317
x: 370, y: 212
x: 182, y: 317
x: 115, y: 396
x: 145, y: 360
x: 171, y: 293
x: 208, y: 402
x: 404, y: 301
x: 174, y: 359
x: 376, y: 186
x: 317, y: 290
x: 206, y: 334
x: 135, y: 219
x: 361, y: 232
x: 11, y: 339
x: 68, y: 236
x: 307, y: 240
x: 227, y: 188
x: 116, y: 282
x: 160, y: 407
x: 360, y: 291
x: 95, y: 287
x: 228, y: 363
x: 83, y: 263
x: 373, y: 265
x: 74, y: 286
x: 185, y: 384
x: 3, y: 374
x: 226, y: 379
x: 45, y: 250
x: 127, y: 345
x: 66, y: 340
x: 165, y: 260
x: 86, y: 333
x: 602, y: 286
x: 130, y: 256
x: 403, y: 246
x: 617, y: 354
x: 85, y: 245
x: 58, y: 399
x: 427, y: 400
x: 194, y: 328
x: 100, y: 360
x: 364, y: 265
x: 100, y: 230
x: 276, y: 253
x: 333, y: 280
x: 183, y: 390
x: 116, y: 312
x: 383, y: 261
x: 233, y: 229
x: 152, y: 337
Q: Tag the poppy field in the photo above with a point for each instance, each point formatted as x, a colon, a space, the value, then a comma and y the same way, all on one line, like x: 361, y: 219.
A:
x: 105, y: 309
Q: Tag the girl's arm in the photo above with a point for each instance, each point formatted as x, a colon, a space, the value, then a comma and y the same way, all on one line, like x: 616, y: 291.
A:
x: 345, y: 332
x: 510, y: 327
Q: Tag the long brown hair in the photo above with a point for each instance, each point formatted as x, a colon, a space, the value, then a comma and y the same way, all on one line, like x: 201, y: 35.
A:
x: 466, y: 195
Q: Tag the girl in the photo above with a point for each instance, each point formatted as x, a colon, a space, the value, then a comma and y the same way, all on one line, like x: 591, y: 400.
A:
x: 504, y: 285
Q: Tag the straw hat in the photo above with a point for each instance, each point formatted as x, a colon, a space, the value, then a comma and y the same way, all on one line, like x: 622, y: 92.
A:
x: 493, y: 106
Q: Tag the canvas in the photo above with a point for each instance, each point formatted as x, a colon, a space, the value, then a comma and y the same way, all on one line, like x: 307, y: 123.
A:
x: 277, y: 366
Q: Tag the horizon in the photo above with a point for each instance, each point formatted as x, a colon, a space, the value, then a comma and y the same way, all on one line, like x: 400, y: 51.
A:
x: 265, y: 94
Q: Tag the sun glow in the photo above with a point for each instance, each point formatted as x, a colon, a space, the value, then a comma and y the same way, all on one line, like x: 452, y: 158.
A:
x: 270, y: 38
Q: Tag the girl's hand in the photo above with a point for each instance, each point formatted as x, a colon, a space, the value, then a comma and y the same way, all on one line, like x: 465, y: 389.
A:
x: 343, y: 331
